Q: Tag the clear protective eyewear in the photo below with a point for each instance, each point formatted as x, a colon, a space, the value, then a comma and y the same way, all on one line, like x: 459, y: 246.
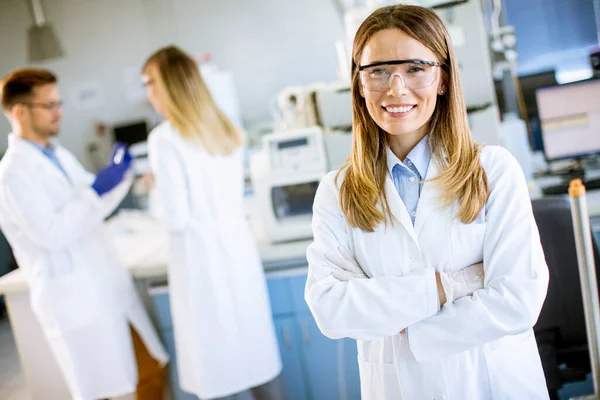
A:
x: 414, y: 74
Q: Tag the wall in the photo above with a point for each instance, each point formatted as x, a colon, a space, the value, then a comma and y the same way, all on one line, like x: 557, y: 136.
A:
x: 266, y: 44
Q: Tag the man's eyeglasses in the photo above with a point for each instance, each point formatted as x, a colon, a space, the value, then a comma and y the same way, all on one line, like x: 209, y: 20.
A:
x: 52, y: 106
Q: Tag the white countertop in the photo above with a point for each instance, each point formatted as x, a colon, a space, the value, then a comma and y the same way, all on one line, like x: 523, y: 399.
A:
x: 142, y: 247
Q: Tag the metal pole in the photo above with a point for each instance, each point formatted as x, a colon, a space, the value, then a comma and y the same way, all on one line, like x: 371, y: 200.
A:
x: 587, y: 275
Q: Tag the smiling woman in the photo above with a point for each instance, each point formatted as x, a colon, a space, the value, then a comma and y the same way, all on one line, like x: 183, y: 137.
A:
x: 402, y: 260
x: 422, y: 75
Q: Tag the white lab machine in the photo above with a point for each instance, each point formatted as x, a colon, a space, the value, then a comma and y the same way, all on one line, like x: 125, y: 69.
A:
x: 285, y: 176
x: 333, y: 103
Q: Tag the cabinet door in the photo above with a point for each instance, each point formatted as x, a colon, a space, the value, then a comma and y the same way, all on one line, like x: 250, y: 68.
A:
x: 320, y: 356
x: 279, y: 296
x: 297, y: 285
x: 162, y: 307
x: 289, y: 346
x: 351, y: 373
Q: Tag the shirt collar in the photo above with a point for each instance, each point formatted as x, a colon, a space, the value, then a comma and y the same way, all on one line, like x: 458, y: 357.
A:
x: 50, y: 148
x: 420, y: 156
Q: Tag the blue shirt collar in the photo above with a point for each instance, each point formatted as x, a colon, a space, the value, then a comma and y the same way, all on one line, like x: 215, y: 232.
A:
x: 420, y: 156
x: 50, y: 148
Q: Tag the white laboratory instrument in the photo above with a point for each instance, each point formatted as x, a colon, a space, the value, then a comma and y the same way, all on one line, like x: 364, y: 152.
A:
x: 285, y: 175
x: 334, y: 106
x: 296, y: 108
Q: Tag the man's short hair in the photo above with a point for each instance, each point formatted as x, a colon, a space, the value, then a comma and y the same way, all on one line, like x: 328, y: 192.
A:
x: 18, y: 86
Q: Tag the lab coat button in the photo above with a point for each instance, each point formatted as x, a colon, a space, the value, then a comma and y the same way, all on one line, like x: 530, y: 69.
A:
x: 440, y: 397
x: 412, y: 179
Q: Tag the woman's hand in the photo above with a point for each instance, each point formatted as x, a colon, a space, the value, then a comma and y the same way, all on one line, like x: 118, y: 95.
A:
x: 455, y: 284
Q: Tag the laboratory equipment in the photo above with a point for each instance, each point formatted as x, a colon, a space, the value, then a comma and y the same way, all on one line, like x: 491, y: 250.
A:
x: 334, y: 106
x: 570, y: 119
x: 131, y: 133
x: 326, y: 105
x: 285, y: 175
x: 528, y: 85
x: 570, y: 125
x: 513, y: 137
x: 338, y: 146
x: 296, y: 108
x: 465, y: 24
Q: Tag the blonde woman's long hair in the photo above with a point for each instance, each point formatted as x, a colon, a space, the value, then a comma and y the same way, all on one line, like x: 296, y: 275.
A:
x: 461, y: 177
x: 188, y: 105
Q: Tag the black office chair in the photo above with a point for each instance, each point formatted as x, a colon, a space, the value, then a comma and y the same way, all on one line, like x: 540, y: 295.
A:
x: 560, y: 331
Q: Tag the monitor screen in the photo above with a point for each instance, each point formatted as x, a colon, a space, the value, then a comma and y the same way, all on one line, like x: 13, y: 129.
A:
x: 570, y: 119
x: 131, y: 133
x: 529, y: 85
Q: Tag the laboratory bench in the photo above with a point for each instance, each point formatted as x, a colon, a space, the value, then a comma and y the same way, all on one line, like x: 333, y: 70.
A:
x: 314, y: 367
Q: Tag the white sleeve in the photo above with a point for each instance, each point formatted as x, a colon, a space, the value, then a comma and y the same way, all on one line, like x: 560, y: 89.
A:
x: 47, y: 227
x: 516, y: 275
x: 364, y: 309
x: 170, y: 194
x: 113, y: 198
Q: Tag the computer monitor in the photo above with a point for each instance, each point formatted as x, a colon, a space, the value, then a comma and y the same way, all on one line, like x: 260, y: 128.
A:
x: 570, y: 119
x: 529, y: 84
x: 131, y: 133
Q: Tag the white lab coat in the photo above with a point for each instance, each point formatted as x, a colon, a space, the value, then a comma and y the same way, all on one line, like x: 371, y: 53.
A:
x: 480, y: 347
x: 224, y: 335
x: 82, y: 297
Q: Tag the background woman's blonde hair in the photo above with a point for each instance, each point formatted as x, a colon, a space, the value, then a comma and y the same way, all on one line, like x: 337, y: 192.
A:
x: 188, y: 104
x: 462, y: 178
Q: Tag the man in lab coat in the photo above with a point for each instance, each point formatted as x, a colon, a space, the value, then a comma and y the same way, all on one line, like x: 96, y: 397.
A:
x: 52, y: 212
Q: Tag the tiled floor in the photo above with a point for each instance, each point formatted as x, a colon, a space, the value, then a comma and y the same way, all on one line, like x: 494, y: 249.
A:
x: 12, y: 383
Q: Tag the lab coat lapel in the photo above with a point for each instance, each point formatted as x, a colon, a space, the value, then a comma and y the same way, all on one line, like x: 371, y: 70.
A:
x: 429, y: 200
x: 30, y: 152
x: 397, y: 207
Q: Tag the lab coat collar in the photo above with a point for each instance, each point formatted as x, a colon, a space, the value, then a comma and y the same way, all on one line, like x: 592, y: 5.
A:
x: 31, y: 150
x: 429, y: 201
x: 397, y: 207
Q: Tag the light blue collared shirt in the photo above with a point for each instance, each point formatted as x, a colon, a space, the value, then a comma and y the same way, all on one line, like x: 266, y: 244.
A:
x: 50, y: 152
x: 408, y: 175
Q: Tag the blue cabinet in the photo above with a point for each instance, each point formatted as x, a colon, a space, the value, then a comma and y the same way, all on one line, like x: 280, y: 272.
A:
x: 293, y: 374
x: 314, y: 366
x: 351, y: 373
x: 329, y: 367
x: 321, y: 356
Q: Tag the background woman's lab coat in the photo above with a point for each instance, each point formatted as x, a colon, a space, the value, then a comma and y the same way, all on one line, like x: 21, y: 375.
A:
x: 224, y: 335
x: 83, y: 298
x: 479, y: 347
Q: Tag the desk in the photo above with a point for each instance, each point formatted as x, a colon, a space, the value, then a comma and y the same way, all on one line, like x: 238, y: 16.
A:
x: 143, y: 251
